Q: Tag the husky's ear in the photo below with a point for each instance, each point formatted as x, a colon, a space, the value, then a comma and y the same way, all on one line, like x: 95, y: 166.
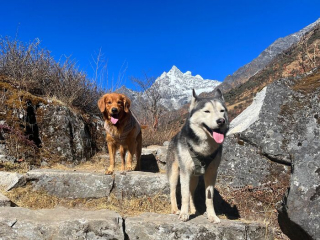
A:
x: 194, y: 100
x: 218, y: 94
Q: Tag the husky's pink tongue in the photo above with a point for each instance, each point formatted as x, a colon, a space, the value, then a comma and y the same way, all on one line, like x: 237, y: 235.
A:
x: 114, y: 120
x: 218, y: 137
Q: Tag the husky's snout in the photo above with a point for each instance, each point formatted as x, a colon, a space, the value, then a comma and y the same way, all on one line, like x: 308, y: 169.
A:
x: 221, y: 122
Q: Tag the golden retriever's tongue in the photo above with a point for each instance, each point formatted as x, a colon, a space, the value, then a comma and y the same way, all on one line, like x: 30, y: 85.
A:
x: 218, y: 137
x: 114, y: 120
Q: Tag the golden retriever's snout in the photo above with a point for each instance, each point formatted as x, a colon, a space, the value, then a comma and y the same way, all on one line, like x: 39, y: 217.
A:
x: 114, y: 110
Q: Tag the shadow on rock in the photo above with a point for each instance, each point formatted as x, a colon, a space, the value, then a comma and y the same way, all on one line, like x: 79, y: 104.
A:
x: 149, y: 163
x: 220, y: 205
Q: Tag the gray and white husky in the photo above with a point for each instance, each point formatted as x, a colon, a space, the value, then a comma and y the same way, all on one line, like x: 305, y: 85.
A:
x: 196, y: 150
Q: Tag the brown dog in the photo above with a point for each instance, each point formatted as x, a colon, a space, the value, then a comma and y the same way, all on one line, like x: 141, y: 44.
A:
x: 123, y: 130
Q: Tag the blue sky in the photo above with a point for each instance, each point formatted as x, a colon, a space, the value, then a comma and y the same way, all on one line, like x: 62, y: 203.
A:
x: 212, y: 38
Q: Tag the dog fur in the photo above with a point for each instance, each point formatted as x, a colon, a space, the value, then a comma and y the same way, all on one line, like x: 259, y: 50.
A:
x: 123, y: 130
x: 207, y: 121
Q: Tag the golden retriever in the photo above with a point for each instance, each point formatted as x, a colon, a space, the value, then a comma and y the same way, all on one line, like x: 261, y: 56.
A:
x: 123, y: 130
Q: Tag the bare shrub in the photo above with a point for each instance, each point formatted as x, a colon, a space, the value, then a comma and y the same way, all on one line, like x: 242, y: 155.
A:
x: 149, y: 101
x: 33, y: 69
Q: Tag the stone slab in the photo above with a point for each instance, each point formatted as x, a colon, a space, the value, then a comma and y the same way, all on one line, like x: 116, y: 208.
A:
x: 59, y: 223
x: 165, y: 227
x: 72, y: 184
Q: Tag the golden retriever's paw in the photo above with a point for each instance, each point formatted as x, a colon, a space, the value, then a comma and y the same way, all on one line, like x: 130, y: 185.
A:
x: 109, y: 172
x: 129, y: 168
x: 184, y: 217
x: 214, y: 219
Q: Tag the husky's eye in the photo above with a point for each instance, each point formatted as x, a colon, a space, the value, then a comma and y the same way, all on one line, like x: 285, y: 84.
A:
x: 222, y: 110
x: 207, y: 111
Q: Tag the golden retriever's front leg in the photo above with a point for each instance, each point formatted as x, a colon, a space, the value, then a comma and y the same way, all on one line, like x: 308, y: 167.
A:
x: 131, y: 152
x: 123, y: 152
x: 112, y: 153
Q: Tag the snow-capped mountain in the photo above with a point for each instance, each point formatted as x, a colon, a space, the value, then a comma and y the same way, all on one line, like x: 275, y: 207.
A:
x: 175, y: 88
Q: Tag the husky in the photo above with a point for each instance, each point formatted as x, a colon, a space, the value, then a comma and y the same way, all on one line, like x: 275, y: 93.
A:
x: 195, y: 151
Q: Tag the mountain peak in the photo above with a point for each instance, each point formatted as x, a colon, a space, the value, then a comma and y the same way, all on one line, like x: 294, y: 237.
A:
x: 174, y: 71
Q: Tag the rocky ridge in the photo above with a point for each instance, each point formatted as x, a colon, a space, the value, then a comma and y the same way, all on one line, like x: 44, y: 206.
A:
x: 265, y: 57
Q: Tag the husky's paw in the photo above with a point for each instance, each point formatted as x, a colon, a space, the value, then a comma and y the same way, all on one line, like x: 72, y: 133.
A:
x: 184, y: 217
x: 213, y: 219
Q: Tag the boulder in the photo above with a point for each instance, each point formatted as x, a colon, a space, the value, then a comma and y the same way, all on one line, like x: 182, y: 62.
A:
x: 59, y: 223
x: 253, y: 150
x: 153, y: 158
x: 139, y: 184
x: 71, y: 184
x: 4, y: 201
x: 164, y: 227
x: 278, y: 136
x: 299, y: 216
x: 10, y: 180
x: 69, y: 135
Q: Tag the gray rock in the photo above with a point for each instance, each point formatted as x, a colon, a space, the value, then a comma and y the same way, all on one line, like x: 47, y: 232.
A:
x: 153, y: 154
x: 243, y: 164
x: 4, y: 201
x: 59, y: 223
x: 66, y: 134
x: 284, y: 137
x: 10, y: 180
x: 299, y: 216
x: 76, y: 184
x: 257, y: 141
x: 139, y: 184
x: 164, y: 227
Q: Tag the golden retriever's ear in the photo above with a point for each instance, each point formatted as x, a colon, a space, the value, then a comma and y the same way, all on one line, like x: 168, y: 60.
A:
x: 101, y: 104
x: 126, y: 103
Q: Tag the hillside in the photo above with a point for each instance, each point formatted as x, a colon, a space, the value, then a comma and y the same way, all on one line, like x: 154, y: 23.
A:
x: 295, y: 62
x: 268, y: 55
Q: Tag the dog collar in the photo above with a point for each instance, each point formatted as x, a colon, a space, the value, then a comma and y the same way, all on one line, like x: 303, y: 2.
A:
x: 201, y: 162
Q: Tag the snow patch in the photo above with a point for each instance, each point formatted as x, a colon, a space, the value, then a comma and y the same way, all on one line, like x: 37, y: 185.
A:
x: 250, y: 115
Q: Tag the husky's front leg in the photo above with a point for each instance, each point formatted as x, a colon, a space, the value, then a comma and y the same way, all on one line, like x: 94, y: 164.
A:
x: 185, y: 177
x: 210, y: 180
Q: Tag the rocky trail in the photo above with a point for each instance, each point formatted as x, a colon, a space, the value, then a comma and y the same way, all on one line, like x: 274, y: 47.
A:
x: 63, y: 223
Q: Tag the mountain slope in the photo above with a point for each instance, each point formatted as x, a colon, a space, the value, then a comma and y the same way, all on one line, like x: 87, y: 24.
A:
x: 250, y: 69
x: 299, y: 61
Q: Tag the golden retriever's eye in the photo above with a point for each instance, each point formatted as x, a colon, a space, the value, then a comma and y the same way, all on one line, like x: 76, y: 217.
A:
x: 119, y: 102
x: 109, y: 102
x: 207, y: 111
x: 222, y: 110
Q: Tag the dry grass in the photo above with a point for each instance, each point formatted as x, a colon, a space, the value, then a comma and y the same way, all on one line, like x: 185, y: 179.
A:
x: 98, y: 163
x: 22, y: 167
x: 29, y: 198
x: 308, y: 84
x: 258, y: 204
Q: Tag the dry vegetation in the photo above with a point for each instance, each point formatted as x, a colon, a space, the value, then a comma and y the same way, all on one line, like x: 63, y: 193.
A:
x: 33, y: 69
x: 29, y: 198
